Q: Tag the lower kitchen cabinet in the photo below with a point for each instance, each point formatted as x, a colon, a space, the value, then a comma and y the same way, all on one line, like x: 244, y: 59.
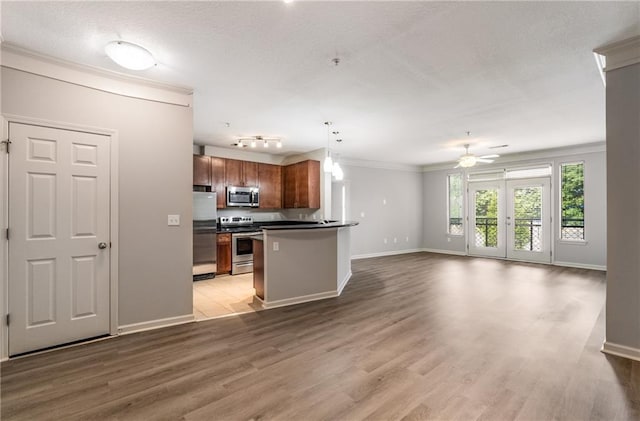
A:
x: 223, y: 250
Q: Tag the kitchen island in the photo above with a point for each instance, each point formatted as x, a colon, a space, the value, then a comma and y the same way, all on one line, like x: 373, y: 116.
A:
x: 302, y: 262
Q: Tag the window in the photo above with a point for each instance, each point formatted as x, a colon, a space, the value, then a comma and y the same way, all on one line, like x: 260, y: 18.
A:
x: 454, y: 216
x: 572, y: 201
x: 533, y: 172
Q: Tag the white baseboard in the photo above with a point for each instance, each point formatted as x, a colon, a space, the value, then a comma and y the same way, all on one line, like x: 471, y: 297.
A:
x: 155, y: 324
x: 385, y: 253
x: 299, y: 300
x: 621, y: 351
x: 580, y: 266
x: 344, y: 282
x: 455, y: 253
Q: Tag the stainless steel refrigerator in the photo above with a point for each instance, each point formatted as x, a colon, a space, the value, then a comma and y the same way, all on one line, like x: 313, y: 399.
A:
x: 205, y: 217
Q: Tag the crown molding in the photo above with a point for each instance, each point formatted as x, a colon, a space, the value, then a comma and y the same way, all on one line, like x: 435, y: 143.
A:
x: 351, y: 162
x: 18, y: 58
x: 620, y: 53
x: 529, y: 156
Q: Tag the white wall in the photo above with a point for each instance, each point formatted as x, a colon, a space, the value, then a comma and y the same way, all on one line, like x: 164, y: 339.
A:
x: 623, y: 201
x: 388, y: 205
x: 155, y: 178
x: 591, y: 253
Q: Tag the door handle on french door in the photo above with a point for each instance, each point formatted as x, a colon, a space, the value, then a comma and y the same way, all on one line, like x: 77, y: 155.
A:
x: 102, y: 246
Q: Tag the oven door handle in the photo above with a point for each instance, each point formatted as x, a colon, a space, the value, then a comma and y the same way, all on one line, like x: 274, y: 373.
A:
x: 245, y: 234
x: 243, y: 264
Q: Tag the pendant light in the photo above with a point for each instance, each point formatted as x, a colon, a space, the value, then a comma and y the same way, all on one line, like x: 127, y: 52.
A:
x: 328, y: 162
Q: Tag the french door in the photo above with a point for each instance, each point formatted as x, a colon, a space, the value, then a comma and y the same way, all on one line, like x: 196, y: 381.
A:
x: 486, y: 219
x: 511, y: 219
x: 529, y: 220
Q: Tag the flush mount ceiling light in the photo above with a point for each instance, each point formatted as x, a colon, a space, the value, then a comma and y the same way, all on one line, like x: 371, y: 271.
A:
x: 252, y: 141
x: 130, y: 56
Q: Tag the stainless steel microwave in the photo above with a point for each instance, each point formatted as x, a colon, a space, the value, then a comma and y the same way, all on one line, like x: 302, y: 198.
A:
x: 243, y: 196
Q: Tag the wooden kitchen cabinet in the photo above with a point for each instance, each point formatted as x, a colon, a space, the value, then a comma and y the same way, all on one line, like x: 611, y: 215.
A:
x: 302, y: 185
x: 289, y: 186
x: 241, y: 173
x: 250, y: 173
x: 270, y: 184
x: 201, y: 170
x: 223, y: 251
x: 218, y: 180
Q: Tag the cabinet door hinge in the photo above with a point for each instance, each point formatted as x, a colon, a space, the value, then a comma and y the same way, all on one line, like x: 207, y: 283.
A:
x: 7, y: 233
x: 8, y: 319
x: 7, y: 143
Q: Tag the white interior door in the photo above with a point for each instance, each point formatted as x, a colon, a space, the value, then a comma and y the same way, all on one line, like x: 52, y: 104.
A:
x: 529, y: 220
x: 58, y: 218
x: 486, y: 219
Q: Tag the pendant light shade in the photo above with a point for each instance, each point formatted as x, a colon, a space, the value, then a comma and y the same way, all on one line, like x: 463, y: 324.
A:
x: 337, y: 171
x: 129, y: 55
x: 328, y: 163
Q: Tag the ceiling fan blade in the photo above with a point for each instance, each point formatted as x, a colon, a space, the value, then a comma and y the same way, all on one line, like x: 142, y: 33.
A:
x: 484, y: 160
x: 489, y: 156
x: 457, y: 166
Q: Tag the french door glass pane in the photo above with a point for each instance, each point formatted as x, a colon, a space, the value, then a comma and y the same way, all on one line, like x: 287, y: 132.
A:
x: 486, y: 216
x: 527, y: 211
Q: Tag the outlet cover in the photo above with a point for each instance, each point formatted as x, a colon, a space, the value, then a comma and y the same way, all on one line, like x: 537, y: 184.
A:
x: 173, y: 220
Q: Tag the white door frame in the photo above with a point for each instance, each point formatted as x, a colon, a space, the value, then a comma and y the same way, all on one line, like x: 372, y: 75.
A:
x: 5, y: 119
x: 500, y: 250
x: 505, y: 231
x: 543, y: 256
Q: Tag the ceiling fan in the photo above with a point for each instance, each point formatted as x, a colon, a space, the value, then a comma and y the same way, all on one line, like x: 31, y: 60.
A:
x: 469, y: 160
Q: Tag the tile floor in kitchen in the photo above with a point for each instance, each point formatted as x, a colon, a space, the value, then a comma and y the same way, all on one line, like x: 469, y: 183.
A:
x: 224, y: 295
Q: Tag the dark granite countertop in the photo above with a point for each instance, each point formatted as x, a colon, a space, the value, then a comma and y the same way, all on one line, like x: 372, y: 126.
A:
x: 286, y: 225
x: 312, y: 225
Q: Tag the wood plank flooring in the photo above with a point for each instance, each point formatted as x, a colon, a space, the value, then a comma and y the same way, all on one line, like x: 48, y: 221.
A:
x: 416, y: 336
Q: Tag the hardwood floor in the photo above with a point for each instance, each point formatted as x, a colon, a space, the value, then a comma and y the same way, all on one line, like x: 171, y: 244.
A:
x: 417, y: 336
x: 224, y: 295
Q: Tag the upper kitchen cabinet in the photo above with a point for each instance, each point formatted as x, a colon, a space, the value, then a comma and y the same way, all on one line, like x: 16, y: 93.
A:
x: 218, y: 180
x: 270, y: 184
x: 241, y: 173
x: 201, y: 170
x: 302, y: 185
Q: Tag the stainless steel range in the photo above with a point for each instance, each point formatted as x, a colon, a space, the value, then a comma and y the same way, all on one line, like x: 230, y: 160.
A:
x: 242, y: 229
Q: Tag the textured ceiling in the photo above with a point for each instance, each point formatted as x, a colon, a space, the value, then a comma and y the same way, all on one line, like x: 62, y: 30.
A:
x: 413, y: 76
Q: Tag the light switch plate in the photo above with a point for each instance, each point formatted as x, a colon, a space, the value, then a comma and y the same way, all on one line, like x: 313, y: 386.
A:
x: 173, y: 220
x: 276, y: 246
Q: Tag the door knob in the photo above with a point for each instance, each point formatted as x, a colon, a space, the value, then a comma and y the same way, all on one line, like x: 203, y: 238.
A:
x: 102, y: 246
